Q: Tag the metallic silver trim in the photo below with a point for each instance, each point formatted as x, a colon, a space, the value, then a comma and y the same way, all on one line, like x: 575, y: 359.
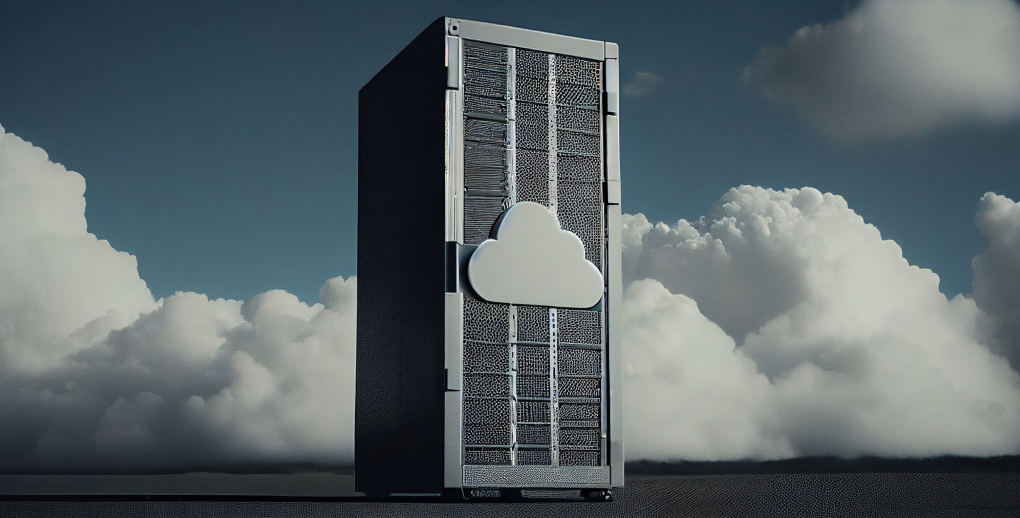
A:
x: 612, y: 86
x: 457, y: 133
x: 454, y: 341
x: 513, y: 384
x: 554, y: 392
x: 528, y: 39
x: 452, y: 451
x: 612, y: 50
x: 552, y: 136
x: 612, y: 147
x: 613, y: 194
x: 615, y: 345
x: 511, y: 122
x: 453, y: 53
x: 536, y: 476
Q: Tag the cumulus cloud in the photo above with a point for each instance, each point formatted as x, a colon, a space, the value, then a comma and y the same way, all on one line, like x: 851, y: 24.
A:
x: 780, y: 324
x: 997, y: 273
x: 642, y: 83
x: 99, y: 377
x: 862, y: 353
x: 533, y: 261
x: 897, y: 68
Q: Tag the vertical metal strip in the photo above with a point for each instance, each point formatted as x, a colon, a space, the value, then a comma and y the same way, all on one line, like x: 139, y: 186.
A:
x: 511, y: 122
x: 552, y: 134
x: 554, y: 392
x: 512, y: 324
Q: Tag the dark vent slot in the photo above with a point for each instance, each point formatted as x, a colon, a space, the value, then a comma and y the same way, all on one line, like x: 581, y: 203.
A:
x: 533, y: 434
x: 481, y: 55
x: 494, y: 435
x: 532, y: 412
x: 577, y: 119
x: 485, y: 131
x: 574, y: 168
x: 480, y: 213
x: 579, y: 362
x: 532, y: 90
x: 579, y: 458
x: 579, y: 438
x: 533, y: 177
x: 533, y: 386
x: 577, y: 95
x: 486, y: 456
x: 534, y: 457
x: 485, y: 83
x: 579, y: 387
x: 532, y: 64
x: 532, y: 126
x: 475, y: 104
x: 533, y: 360
x: 486, y: 322
x: 576, y: 412
x: 486, y: 411
x: 533, y: 324
x: 483, y: 358
x: 580, y: 211
x: 578, y: 326
x: 570, y: 143
x: 579, y: 71
x: 486, y: 386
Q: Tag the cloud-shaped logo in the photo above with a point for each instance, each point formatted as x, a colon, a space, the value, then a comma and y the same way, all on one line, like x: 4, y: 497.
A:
x: 533, y: 261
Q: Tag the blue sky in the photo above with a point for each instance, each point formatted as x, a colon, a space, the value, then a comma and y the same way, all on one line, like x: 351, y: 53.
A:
x: 218, y: 141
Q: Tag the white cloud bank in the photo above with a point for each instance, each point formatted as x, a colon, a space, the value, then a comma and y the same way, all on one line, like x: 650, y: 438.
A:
x: 896, y: 68
x: 97, y: 376
x: 814, y: 337
x: 781, y: 324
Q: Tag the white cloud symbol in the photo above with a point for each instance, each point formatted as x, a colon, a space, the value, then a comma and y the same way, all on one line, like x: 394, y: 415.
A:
x: 533, y: 261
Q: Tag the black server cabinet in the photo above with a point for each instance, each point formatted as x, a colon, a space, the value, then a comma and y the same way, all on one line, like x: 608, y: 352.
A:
x: 457, y: 388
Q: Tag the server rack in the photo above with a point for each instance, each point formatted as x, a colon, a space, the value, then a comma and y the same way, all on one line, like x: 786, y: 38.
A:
x: 454, y: 391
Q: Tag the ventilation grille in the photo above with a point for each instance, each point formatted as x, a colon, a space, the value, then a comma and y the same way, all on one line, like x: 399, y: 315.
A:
x: 533, y: 360
x: 580, y: 326
x: 508, y: 403
x: 487, y: 456
x: 534, y: 457
x: 486, y: 322
x: 579, y: 362
x: 533, y: 324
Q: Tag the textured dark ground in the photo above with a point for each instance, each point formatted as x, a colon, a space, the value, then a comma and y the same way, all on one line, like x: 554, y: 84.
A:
x: 762, y: 495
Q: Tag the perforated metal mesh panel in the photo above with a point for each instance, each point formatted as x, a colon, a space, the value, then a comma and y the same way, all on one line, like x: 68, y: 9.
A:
x: 486, y: 322
x: 533, y: 360
x: 533, y: 324
x: 533, y: 411
x: 579, y: 362
x: 579, y: 458
x: 534, y: 457
x: 533, y: 434
x: 511, y: 358
x: 486, y: 358
x: 487, y: 456
x: 532, y: 175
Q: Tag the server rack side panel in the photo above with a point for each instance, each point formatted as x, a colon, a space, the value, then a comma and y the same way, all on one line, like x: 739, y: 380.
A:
x: 401, y: 257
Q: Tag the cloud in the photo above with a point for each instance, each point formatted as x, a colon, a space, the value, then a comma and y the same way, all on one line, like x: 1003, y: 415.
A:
x: 780, y: 324
x: 997, y: 273
x: 862, y: 353
x: 96, y: 376
x: 642, y: 83
x: 899, y: 68
x: 532, y: 261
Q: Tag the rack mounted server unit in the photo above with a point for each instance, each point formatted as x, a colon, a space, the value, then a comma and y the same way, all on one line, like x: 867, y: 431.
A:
x: 457, y: 391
